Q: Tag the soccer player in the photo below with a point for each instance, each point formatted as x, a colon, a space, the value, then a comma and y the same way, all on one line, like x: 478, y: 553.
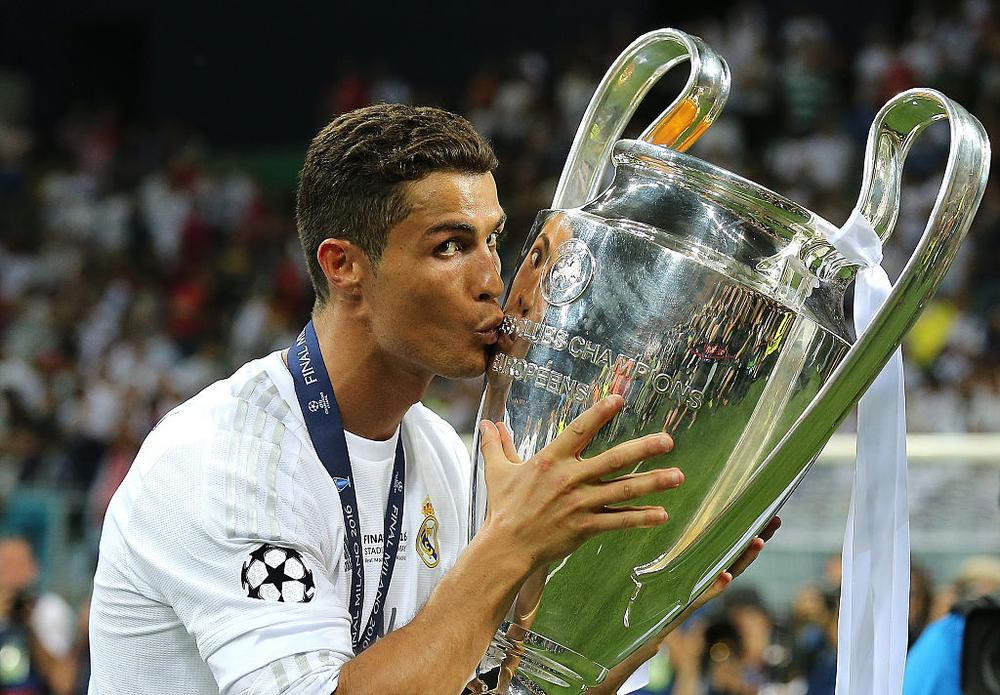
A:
x: 276, y: 525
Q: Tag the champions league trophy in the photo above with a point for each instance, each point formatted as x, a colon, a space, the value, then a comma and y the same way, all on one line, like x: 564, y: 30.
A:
x: 714, y: 306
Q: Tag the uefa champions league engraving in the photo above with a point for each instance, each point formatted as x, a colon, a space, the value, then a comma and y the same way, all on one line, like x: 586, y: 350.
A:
x: 715, y: 307
x: 588, y: 353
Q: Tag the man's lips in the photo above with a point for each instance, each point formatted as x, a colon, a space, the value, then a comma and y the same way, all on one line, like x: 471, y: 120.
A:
x: 491, y: 331
x: 491, y: 326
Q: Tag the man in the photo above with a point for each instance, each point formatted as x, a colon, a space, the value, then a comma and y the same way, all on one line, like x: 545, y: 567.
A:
x: 36, y: 630
x: 268, y: 532
x: 934, y: 664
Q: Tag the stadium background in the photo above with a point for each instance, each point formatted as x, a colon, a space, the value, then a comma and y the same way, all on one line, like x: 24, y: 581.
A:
x: 148, y: 163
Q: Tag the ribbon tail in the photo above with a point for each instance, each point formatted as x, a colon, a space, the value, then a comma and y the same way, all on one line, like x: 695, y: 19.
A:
x: 875, y: 579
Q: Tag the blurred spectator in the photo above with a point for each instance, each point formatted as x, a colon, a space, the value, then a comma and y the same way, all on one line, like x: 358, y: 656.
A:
x: 921, y: 601
x: 763, y: 661
x: 821, y: 678
x: 708, y: 659
x: 809, y: 619
x: 37, y: 631
x: 933, y: 666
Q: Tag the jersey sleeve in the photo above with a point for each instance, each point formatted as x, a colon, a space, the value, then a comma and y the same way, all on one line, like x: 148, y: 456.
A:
x: 246, y: 556
x: 307, y: 673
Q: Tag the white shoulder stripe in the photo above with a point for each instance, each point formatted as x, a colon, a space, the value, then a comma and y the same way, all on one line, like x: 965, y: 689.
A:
x: 256, y: 441
x: 237, y: 426
x: 280, y: 677
x: 250, y: 469
x: 303, y: 664
x: 278, y: 437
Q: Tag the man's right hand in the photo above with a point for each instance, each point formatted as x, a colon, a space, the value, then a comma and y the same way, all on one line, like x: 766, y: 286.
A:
x: 549, y: 505
x: 539, y: 511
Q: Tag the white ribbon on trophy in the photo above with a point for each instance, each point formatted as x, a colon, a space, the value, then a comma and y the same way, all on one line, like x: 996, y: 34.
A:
x: 875, y: 585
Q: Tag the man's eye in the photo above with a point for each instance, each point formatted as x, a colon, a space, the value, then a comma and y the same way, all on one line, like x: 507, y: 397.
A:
x: 536, y: 257
x: 493, y: 238
x: 448, y: 248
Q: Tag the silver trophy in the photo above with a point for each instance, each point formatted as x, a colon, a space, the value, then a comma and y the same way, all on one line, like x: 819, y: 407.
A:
x: 715, y: 307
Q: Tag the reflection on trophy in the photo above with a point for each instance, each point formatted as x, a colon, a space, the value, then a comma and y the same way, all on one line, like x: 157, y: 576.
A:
x: 715, y: 308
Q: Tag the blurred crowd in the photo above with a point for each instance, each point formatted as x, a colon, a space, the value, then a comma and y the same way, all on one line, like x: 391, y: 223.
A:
x: 737, y: 645
x: 137, y: 265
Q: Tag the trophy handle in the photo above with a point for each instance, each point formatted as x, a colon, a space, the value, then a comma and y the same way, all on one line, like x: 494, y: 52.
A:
x: 896, y: 126
x: 893, y: 131
x: 627, y: 81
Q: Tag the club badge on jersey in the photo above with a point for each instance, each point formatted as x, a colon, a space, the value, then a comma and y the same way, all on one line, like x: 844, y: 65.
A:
x: 427, y: 538
x: 314, y: 391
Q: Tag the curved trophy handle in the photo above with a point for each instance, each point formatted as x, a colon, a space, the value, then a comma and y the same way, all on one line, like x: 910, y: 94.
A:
x: 895, y: 127
x: 890, y: 137
x: 627, y: 81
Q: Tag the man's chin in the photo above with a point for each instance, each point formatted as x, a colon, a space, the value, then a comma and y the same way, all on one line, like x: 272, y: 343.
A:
x: 469, y: 368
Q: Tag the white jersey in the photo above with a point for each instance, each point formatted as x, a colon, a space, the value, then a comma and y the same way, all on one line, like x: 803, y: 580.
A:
x: 222, y: 566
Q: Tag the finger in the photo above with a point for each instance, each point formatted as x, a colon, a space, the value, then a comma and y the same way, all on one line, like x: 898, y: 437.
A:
x: 629, y: 487
x: 616, y: 518
x: 631, y: 508
x: 578, y: 433
x: 747, y: 557
x: 507, y: 441
x: 773, y: 525
x: 625, y: 454
x: 718, y: 586
x: 752, y: 551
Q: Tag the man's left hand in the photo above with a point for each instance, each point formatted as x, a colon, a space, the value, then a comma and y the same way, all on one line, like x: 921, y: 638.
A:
x: 620, y: 673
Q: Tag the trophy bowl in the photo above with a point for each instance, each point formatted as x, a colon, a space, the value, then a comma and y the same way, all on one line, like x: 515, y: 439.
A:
x: 714, y: 306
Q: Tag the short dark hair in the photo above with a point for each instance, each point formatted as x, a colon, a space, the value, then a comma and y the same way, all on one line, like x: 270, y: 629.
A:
x: 351, y: 185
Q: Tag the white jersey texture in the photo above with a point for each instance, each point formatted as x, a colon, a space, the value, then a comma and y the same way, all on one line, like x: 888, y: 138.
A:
x: 223, y: 475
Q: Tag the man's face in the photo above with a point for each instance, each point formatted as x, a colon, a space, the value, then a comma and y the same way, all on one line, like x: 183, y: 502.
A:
x: 18, y: 569
x: 525, y: 298
x: 434, y: 296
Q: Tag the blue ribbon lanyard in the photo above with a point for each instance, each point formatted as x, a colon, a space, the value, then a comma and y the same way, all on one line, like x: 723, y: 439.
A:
x: 323, y: 422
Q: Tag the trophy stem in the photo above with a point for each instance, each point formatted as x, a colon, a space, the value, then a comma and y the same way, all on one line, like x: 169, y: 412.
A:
x: 521, y: 662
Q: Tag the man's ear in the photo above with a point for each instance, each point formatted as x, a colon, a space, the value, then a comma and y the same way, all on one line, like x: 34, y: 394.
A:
x: 344, y: 265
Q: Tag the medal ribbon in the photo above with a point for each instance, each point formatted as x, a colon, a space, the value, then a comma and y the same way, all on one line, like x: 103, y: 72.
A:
x: 326, y: 430
x: 875, y: 581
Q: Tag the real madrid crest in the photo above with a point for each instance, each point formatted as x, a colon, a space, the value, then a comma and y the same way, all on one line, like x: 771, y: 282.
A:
x: 427, y: 538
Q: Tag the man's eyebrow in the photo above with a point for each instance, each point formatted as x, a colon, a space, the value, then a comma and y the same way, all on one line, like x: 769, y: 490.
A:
x: 450, y: 227
x: 545, y: 240
x: 464, y: 227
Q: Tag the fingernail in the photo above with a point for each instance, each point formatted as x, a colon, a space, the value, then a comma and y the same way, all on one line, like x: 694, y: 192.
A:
x: 482, y: 426
x: 676, y: 477
x: 666, y: 441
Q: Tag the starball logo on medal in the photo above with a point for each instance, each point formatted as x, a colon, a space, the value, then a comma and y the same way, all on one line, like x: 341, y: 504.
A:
x: 321, y: 403
x: 569, y: 274
x: 427, y: 538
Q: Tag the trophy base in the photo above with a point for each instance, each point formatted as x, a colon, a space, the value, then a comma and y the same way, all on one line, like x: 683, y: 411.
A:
x: 521, y: 662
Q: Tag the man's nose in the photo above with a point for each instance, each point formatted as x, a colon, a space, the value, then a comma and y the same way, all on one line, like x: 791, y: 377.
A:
x: 490, y: 284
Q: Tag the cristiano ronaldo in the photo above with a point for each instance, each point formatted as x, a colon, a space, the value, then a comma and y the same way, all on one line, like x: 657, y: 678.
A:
x: 300, y: 527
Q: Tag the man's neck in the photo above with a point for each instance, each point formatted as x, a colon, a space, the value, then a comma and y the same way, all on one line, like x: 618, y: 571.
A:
x: 373, y: 391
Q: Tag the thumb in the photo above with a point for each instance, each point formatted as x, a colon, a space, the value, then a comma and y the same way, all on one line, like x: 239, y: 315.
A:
x: 490, y: 444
